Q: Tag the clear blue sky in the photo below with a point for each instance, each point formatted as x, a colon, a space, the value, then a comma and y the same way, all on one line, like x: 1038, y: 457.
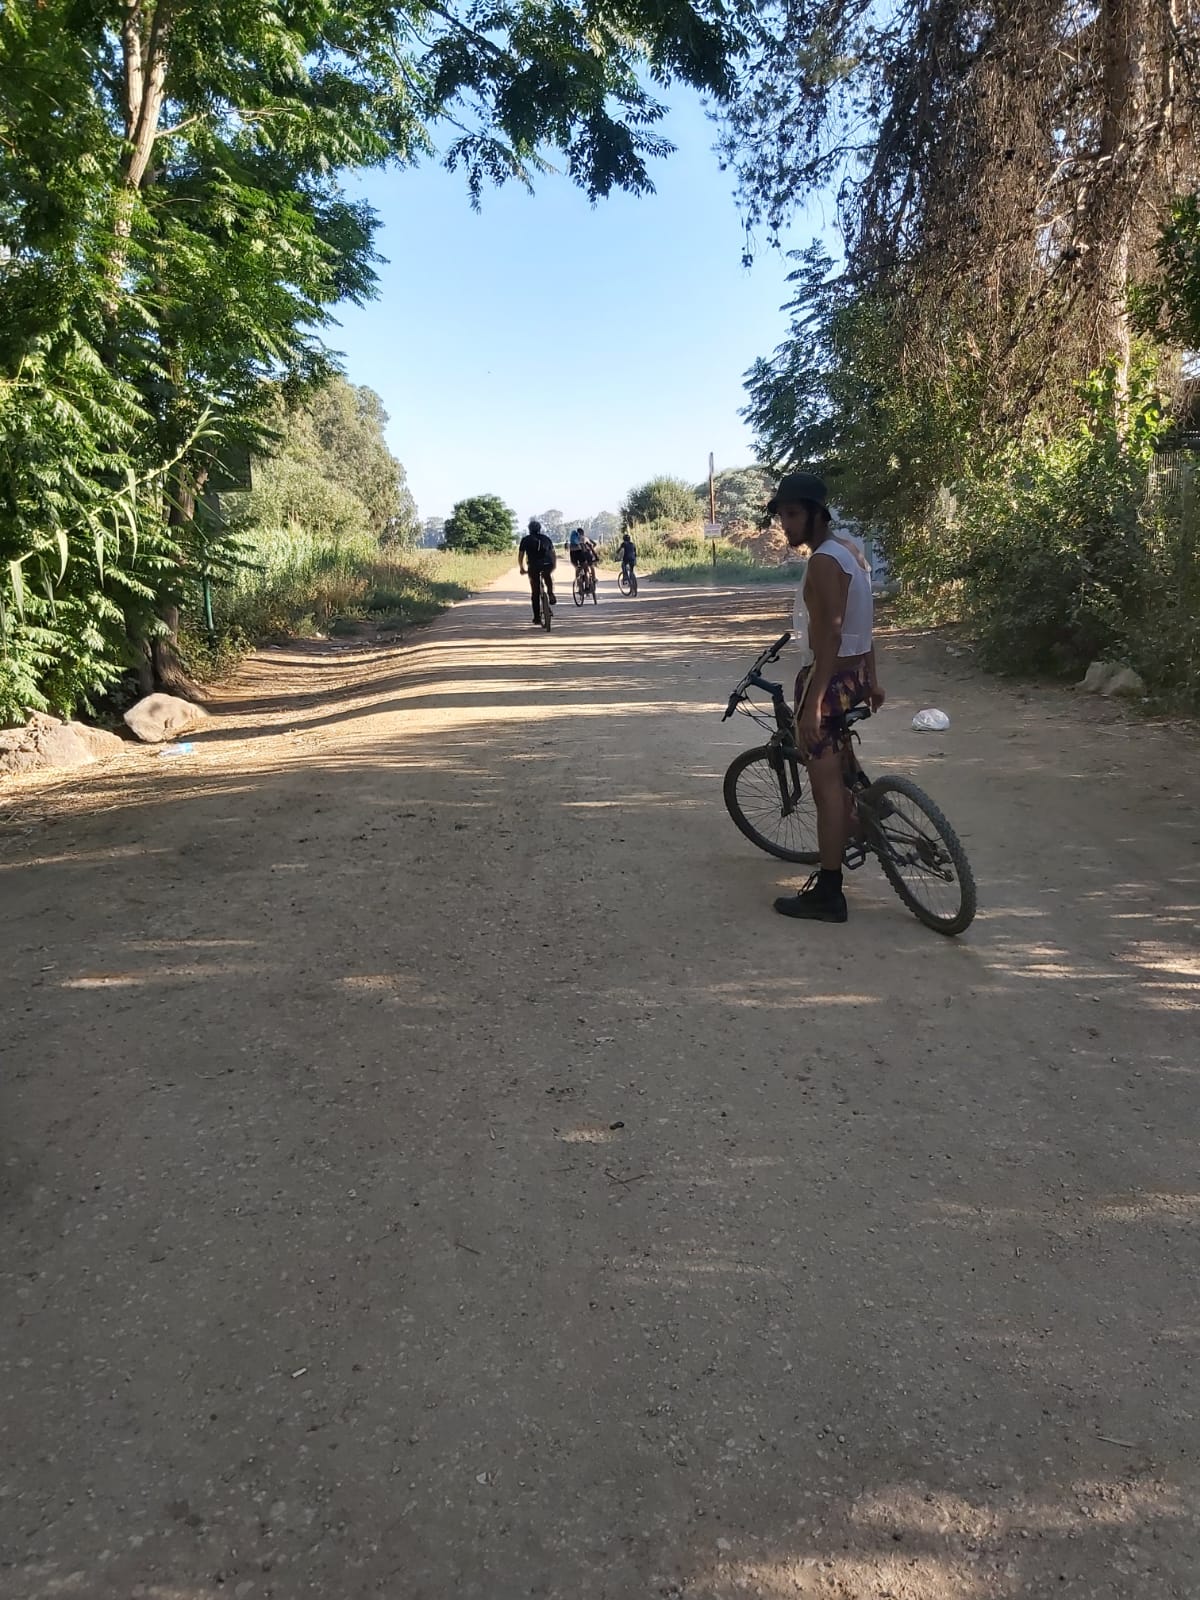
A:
x: 557, y: 354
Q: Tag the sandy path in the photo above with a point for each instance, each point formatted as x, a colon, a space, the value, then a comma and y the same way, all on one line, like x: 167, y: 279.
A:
x: 428, y: 1169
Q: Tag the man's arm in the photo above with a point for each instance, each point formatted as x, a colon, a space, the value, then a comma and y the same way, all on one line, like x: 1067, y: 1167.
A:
x: 521, y: 556
x: 826, y: 613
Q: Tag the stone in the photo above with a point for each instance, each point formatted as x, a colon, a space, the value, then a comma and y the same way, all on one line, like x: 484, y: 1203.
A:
x: 162, y: 717
x: 1098, y: 676
x: 98, y: 740
x: 43, y: 743
x: 1125, y: 681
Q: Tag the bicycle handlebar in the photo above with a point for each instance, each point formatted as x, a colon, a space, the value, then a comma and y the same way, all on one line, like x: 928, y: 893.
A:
x: 771, y: 653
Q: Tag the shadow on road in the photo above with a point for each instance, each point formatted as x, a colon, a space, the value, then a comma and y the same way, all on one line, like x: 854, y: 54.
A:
x: 428, y: 1169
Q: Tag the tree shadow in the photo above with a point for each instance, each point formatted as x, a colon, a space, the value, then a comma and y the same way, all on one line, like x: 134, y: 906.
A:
x: 429, y: 1169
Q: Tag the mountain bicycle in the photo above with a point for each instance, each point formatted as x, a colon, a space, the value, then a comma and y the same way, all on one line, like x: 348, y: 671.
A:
x: 544, y: 606
x: 627, y: 582
x: 766, y: 793
x: 585, y: 583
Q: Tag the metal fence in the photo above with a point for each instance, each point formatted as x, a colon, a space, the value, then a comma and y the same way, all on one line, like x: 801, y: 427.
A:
x: 1171, y: 511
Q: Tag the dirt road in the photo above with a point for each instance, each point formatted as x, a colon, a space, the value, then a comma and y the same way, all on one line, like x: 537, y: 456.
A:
x: 430, y: 1170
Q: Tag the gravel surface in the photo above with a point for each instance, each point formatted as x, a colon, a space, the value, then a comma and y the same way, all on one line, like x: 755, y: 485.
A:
x: 429, y: 1169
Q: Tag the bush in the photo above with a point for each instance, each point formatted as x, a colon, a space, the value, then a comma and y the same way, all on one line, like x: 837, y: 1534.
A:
x: 682, y: 556
x: 662, y: 500
x: 482, y: 522
x: 294, y: 494
x: 295, y: 583
x: 1045, y: 553
x: 84, y: 548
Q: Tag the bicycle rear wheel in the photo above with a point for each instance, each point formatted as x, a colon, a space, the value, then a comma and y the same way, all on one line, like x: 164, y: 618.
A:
x: 765, y: 795
x: 578, y: 589
x: 592, y: 584
x: 633, y: 584
x: 547, y: 619
x: 920, y: 853
x: 625, y: 584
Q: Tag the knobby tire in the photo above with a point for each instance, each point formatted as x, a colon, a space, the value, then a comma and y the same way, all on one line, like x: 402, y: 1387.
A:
x: 754, y: 799
x: 901, y: 834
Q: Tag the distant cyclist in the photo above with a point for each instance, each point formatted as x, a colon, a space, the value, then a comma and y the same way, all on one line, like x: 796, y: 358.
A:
x: 627, y: 551
x: 580, y: 547
x: 583, y: 552
x: 537, y: 554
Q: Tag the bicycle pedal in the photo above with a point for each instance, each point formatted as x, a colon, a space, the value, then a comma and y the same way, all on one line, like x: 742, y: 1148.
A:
x: 853, y: 856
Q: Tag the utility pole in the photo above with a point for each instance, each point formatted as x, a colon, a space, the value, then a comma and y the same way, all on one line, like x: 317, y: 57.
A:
x: 712, y: 504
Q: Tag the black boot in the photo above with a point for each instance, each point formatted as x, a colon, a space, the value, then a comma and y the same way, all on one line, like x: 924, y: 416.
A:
x: 820, y: 900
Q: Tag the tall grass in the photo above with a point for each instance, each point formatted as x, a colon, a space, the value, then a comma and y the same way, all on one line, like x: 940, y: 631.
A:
x: 294, y: 582
x: 675, y: 556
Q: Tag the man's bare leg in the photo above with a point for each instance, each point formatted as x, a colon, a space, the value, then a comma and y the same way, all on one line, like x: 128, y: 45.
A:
x: 833, y: 816
x: 824, y: 901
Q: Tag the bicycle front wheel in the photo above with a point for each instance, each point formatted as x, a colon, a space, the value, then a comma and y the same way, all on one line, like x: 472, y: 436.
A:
x: 625, y: 584
x: 592, y: 586
x: 578, y: 590
x: 921, y: 854
x: 547, y: 619
x: 766, y: 797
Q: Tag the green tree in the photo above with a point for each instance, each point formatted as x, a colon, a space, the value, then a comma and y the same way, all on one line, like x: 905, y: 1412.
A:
x: 1005, y: 173
x: 1167, y: 304
x: 174, y: 234
x: 661, y: 500
x: 553, y: 522
x: 836, y: 397
x: 336, y: 432
x: 604, y: 526
x: 741, y: 492
x: 481, y: 522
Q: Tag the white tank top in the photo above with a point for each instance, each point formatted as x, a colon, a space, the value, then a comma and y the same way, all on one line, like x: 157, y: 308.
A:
x: 860, y: 606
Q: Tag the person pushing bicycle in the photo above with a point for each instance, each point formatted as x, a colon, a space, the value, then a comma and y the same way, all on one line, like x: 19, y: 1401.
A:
x: 536, y: 554
x: 835, y: 616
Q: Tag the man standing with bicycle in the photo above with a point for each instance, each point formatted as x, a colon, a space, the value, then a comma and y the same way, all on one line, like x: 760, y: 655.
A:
x: 835, y: 615
x: 536, y: 553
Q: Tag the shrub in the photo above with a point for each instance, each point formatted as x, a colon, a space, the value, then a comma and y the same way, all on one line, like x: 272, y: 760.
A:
x: 1045, y: 552
x: 662, y: 500
x: 482, y: 522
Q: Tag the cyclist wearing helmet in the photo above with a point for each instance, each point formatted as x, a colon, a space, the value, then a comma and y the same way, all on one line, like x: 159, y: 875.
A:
x: 583, y: 552
x: 536, y: 552
x: 627, y: 551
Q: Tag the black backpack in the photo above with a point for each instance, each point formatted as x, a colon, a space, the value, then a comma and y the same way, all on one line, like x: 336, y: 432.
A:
x: 541, y: 551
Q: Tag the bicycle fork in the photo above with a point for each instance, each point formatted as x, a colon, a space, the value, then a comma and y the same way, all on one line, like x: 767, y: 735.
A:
x: 787, y: 776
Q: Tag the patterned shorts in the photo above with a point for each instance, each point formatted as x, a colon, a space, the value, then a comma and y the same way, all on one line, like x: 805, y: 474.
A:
x: 846, y: 690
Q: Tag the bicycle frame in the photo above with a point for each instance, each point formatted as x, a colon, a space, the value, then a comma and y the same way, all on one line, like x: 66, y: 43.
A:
x: 786, y: 760
x: 885, y: 828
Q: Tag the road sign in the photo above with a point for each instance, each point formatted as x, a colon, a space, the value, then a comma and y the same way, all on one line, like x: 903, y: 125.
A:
x: 712, y: 530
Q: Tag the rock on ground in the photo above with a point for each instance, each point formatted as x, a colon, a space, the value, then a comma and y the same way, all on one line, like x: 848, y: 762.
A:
x: 161, y: 717
x: 99, y: 741
x: 1098, y: 676
x: 45, y: 742
x: 1125, y: 681
x: 1111, y: 678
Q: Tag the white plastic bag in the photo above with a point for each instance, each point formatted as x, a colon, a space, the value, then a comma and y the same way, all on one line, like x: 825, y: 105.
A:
x: 931, y: 721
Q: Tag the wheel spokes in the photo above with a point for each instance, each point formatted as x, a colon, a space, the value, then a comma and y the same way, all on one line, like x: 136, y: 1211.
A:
x: 919, y: 857
x: 761, y: 800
